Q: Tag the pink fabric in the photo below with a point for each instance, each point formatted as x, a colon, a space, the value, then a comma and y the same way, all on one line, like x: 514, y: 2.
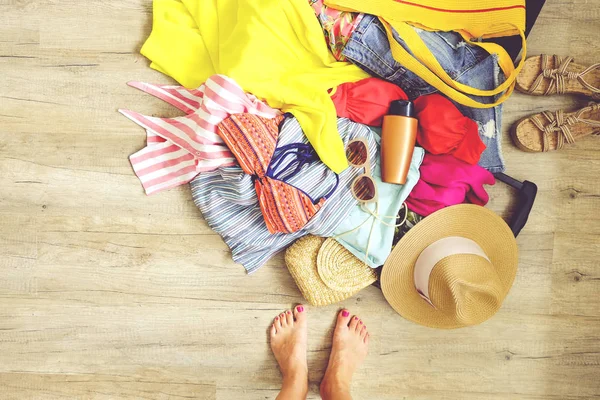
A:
x: 177, y: 149
x: 446, y: 181
x: 338, y: 26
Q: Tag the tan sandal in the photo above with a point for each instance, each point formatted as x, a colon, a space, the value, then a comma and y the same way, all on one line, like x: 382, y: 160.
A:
x: 544, y: 76
x: 549, y: 131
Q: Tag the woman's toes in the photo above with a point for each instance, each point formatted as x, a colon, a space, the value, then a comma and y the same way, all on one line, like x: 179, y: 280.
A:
x: 343, y: 319
x: 353, y: 323
x: 273, y: 331
x: 277, y: 324
x: 300, y: 314
x: 289, y: 318
x: 363, y: 332
x: 359, y: 325
x: 366, y: 339
x: 283, y: 320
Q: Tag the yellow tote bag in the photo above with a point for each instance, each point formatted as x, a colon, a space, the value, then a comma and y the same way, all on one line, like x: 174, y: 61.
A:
x: 472, y: 19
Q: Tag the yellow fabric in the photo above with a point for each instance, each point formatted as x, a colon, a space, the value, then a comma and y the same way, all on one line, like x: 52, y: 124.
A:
x: 271, y: 48
x: 472, y: 19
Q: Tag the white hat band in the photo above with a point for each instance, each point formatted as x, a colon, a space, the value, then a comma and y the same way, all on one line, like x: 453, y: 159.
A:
x: 435, y: 252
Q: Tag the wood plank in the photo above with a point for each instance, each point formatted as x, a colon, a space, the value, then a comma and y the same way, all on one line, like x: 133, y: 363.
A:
x: 106, y: 293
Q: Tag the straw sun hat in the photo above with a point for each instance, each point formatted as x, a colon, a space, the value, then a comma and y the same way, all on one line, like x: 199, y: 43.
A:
x: 325, y: 272
x: 453, y: 269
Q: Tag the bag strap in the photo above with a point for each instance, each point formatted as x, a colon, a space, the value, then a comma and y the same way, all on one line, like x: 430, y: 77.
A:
x: 428, y: 68
x: 424, y: 55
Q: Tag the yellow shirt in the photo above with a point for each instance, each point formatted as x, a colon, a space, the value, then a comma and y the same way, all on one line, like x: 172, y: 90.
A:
x: 274, y: 49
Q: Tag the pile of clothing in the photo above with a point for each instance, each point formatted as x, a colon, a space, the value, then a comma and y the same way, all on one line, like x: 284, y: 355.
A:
x: 274, y: 92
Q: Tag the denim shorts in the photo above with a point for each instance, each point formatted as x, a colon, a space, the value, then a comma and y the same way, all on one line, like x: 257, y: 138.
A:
x: 369, y: 48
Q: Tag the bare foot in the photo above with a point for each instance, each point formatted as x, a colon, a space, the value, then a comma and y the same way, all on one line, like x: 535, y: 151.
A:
x: 289, y: 335
x: 348, y: 351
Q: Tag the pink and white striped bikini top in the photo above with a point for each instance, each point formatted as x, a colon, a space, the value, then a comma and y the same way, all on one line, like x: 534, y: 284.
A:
x: 180, y: 148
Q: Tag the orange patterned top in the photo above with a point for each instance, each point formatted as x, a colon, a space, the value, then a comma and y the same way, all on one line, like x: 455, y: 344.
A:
x: 253, y: 141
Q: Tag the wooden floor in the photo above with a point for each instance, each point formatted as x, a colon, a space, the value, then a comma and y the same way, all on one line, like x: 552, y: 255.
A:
x: 108, y: 294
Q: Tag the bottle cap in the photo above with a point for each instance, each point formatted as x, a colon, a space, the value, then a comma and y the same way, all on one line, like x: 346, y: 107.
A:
x: 404, y: 108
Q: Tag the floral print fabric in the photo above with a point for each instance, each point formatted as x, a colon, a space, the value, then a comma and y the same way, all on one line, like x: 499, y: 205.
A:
x: 337, y: 25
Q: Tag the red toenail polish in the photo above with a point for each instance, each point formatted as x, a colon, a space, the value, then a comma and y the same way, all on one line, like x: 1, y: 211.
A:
x: 300, y: 308
x: 360, y: 322
x: 355, y: 318
x: 345, y: 313
x: 289, y: 312
x: 277, y: 317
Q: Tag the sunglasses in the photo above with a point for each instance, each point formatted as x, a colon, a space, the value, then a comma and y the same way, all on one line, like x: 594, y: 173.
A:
x: 363, y: 187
